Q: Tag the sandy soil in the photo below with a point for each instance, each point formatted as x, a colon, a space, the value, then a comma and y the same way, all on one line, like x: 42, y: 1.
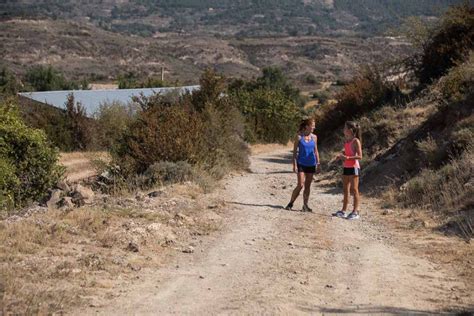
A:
x: 80, y: 165
x: 270, y: 261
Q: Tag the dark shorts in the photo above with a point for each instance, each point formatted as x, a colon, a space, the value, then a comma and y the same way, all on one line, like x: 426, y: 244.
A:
x: 306, y: 169
x: 351, y: 172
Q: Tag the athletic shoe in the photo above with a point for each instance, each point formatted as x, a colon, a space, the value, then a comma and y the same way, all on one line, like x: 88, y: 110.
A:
x: 306, y: 209
x: 289, y: 207
x: 353, y: 215
x: 340, y: 214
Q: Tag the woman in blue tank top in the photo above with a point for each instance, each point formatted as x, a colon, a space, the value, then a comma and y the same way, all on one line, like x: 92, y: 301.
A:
x: 305, y: 162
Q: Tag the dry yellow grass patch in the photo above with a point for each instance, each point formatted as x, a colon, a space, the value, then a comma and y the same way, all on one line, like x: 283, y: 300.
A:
x: 51, y: 261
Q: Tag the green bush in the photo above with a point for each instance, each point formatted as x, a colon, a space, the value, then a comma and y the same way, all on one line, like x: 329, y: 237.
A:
x: 160, y: 133
x: 271, y: 116
x: 459, y: 82
x: 41, y: 78
x: 79, y: 126
x: 112, y: 120
x: 449, y: 44
x: 271, y: 106
x: 203, y: 130
x: 9, y: 85
x: 27, y: 162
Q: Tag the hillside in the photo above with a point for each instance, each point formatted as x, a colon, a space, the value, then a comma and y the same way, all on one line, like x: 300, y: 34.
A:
x: 81, y: 49
x: 225, y: 17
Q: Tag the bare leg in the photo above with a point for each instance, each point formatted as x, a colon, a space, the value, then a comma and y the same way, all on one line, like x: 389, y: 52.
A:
x: 307, y: 187
x: 355, y: 189
x: 346, y: 181
x: 299, y: 187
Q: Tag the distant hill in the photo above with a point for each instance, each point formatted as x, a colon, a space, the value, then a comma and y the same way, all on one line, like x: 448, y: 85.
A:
x: 231, y: 17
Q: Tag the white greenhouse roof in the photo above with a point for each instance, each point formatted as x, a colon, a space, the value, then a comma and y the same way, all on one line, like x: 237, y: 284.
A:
x: 92, y: 99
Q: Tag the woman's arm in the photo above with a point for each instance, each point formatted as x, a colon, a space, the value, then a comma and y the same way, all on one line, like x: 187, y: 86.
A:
x: 295, y: 151
x: 316, y: 153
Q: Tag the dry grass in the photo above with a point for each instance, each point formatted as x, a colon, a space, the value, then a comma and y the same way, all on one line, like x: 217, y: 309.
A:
x: 81, y: 165
x: 52, y: 261
x: 267, y: 148
x: 448, y: 192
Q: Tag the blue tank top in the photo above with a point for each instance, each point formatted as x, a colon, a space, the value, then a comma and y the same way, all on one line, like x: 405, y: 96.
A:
x: 306, y: 156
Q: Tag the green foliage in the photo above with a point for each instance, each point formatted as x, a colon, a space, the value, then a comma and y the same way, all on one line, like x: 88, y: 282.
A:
x: 160, y: 133
x: 459, y: 82
x: 41, y: 78
x: 270, y: 114
x: 9, y: 85
x: 132, y: 81
x: 203, y: 130
x: 27, y: 162
x: 79, y: 125
x: 270, y: 104
x: 112, y: 120
x: 450, y: 43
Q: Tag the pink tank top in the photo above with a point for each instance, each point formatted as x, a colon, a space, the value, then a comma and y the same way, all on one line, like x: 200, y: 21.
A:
x: 349, y: 151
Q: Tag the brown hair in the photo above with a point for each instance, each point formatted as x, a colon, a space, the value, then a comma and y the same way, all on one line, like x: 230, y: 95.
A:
x: 355, y: 129
x: 305, y: 123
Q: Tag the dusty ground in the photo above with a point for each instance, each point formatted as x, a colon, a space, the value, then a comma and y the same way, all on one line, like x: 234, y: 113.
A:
x: 270, y: 261
x: 80, y: 165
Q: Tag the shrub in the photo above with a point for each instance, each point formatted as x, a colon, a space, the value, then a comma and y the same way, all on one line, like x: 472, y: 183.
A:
x: 450, y: 43
x: 429, y: 151
x: 131, y: 81
x: 445, y: 191
x: 27, y: 162
x: 458, y: 83
x: 79, y: 125
x: 160, y: 133
x: 112, y: 120
x: 8, y: 83
x: 270, y: 115
x: 270, y: 104
x: 367, y: 91
x: 41, y: 78
x: 166, y: 172
x: 203, y: 130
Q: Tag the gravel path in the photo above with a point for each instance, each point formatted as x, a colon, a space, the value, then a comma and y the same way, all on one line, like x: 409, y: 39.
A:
x: 270, y: 261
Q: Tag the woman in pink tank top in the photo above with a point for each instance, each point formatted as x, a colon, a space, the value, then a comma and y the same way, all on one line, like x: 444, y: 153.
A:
x: 350, y: 177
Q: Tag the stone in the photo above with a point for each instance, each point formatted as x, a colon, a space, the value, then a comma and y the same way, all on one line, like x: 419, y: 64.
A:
x: 133, y: 247
x: 54, y: 199
x: 66, y: 203
x: 155, y: 194
x: 82, y: 195
x: 189, y: 249
x: 387, y: 212
x: 63, y: 185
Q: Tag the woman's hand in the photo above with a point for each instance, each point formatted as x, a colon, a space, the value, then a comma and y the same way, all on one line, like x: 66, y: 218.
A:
x: 294, y: 168
x: 318, y: 169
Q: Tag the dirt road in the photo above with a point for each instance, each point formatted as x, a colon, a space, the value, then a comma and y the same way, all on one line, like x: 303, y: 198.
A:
x: 270, y: 261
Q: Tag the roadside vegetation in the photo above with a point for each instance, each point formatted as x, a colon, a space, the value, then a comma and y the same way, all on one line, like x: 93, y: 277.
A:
x: 418, y: 141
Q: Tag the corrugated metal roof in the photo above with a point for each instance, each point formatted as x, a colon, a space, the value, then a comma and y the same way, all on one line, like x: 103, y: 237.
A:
x: 91, y: 99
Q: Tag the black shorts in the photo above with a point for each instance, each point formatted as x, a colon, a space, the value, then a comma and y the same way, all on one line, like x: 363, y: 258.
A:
x: 351, y: 172
x: 306, y: 169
